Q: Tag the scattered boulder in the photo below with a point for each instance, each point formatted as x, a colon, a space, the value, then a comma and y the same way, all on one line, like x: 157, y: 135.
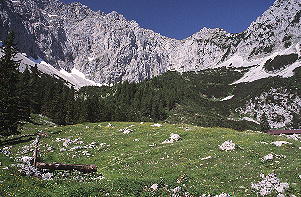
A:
x: 272, y: 156
x: 6, y: 150
x: 126, y: 130
x: 176, y: 190
x: 268, y: 157
x: 280, y: 143
x: 270, y: 184
x: 227, y: 146
x: 154, y: 187
x: 156, y: 125
x: 296, y: 137
x: 173, y: 138
x: 26, y: 160
x: 220, y: 195
x: 206, y: 158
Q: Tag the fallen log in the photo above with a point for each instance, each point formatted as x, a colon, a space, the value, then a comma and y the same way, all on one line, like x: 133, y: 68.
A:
x: 60, y: 166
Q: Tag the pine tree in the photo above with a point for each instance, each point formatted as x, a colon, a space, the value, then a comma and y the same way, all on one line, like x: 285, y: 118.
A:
x: 9, y: 100
x: 35, y: 85
x: 264, y: 124
x: 24, y: 94
x: 296, y: 121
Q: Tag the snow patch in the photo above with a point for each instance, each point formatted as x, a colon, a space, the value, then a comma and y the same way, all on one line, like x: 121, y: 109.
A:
x: 227, y: 98
x: 52, y: 15
x: 250, y: 120
x: 76, y: 78
x: 259, y: 72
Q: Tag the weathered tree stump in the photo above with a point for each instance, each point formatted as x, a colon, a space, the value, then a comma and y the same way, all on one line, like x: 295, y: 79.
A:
x: 36, y: 151
x: 60, y: 166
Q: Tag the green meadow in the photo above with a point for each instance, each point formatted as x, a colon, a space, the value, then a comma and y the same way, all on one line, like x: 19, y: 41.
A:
x: 129, y: 164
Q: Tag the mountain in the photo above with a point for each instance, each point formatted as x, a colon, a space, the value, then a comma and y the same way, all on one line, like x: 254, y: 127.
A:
x: 222, y: 77
x: 107, y: 48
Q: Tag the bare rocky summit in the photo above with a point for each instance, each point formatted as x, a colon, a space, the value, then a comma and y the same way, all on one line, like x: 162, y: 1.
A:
x: 107, y: 48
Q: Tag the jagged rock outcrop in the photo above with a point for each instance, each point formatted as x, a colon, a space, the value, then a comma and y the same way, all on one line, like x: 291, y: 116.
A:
x: 107, y: 48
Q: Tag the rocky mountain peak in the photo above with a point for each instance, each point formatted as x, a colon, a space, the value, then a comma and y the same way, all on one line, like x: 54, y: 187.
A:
x: 107, y: 48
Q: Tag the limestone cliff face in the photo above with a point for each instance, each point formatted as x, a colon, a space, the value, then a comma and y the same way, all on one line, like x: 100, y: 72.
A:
x: 107, y: 48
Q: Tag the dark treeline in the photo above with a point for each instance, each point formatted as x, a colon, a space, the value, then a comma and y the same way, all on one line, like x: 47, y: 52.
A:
x: 153, y: 100
x: 146, y: 101
x: 173, y: 97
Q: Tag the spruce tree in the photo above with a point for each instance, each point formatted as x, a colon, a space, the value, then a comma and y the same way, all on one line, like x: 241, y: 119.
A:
x: 296, y: 121
x: 9, y: 100
x: 37, y: 88
x: 264, y: 124
x: 24, y: 92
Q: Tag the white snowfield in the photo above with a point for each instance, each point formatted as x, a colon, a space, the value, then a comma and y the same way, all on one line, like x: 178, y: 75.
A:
x: 227, y: 98
x: 76, y: 77
x: 258, y: 72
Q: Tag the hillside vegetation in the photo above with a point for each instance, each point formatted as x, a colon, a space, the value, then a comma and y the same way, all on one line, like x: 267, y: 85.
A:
x: 132, y: 159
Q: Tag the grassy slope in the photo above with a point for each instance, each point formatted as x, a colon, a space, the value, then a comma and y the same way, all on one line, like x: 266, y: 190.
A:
x: 129, y: 165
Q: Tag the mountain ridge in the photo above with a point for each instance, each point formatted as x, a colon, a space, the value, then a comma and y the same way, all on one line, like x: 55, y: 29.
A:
x: 108, y: 49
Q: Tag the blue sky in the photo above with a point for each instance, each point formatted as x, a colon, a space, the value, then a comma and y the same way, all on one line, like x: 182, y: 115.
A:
x: 181, y: 18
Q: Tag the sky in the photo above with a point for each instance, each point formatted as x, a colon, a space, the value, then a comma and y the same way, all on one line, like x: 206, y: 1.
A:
x: 181, y: 18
